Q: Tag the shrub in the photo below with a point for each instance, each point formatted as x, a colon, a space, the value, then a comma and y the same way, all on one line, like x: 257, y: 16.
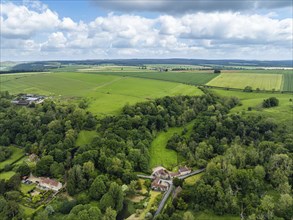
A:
x: 270, y: 102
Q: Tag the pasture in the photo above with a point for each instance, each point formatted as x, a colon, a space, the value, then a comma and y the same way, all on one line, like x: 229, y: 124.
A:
x: 17, y: 153
x: 6, y: 175
x: 281, y: 114
x: 160, y: 155
x: 262, y: 81
x: 107, y: 94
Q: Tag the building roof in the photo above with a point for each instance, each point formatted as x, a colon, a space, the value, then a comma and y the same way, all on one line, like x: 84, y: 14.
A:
x: 183, y: 169
x: 49, y: 181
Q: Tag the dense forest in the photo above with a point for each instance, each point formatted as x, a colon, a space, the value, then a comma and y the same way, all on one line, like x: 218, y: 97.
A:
x: 248, y: 159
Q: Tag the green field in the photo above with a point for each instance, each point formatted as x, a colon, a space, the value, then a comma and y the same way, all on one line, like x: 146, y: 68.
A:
x: 282, y: 114
x: 193, y: 78
x: 190, y: 181
x: 162, y: 156
x: 24, y: 188
x: 6, y: 175
x: 107, y: 94
x: 211, y: 216
x: 85, y: 137
x: 288, y: 82
x: 17, y: 153
x: 241, y: 80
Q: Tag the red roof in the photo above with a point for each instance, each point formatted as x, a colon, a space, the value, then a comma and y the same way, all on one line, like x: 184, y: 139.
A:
x: 49, y: 181
x: 183, y: 169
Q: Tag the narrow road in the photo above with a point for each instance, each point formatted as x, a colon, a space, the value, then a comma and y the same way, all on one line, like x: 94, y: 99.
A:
x: 191, y: 174
x: 145, y: 177
x: 164, y: 200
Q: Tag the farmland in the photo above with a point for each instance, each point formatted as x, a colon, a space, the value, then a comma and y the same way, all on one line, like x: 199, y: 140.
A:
x: 240, y: 80
x: 288, y: 82
x: 107, y: 94
x: 192, y: 78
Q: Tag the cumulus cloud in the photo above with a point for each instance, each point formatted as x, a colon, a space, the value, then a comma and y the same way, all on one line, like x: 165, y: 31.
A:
x: 182, y: 6
x: 43, y: 34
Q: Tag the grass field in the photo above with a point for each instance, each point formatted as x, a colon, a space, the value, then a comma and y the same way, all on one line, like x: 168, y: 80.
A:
x: 6, y: 175
x: 160, y: 155
x: 190, y: 181
x: 17, y: 153
x: 85, y: 137
x: 107, y: 94
x: 241, y: 80
x: 193, y: 78
x: 24, y: 188
x: 288, y: 82
x: 283, y: 114
x: 153, y: 196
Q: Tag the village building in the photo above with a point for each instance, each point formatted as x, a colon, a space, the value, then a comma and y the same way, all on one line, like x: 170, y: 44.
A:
x: 184, y: 170
x: 28, y: 99
x: 33, y: 158
x: 159, y: 185
x: 50, y: 184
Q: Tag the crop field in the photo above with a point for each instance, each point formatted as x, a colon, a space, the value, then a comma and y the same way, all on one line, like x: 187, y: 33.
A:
x: 240, y: 80
x: 16, y: 155
x: 193, y: 78
x: 107, y: 94
x: 288, y: 82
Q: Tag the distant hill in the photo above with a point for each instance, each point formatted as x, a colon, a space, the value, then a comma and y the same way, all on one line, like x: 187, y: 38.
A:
x: 47, y: 65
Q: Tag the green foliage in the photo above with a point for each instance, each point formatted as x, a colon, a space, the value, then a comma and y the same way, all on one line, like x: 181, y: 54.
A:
x: 270, y: 102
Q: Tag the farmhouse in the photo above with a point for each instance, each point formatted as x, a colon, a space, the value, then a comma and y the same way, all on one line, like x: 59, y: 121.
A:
x: 28, y: 99
x: 184, y: 170
x: 159, y: 185
x: 162, y: 173
x: 50, y: 184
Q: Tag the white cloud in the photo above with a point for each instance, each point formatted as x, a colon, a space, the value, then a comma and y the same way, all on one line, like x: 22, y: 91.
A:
x: 40, y: 32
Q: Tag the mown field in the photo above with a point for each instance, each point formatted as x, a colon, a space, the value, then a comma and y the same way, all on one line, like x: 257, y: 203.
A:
x: 241, y: 80
x: 288, y: 82
x: 107, y: 94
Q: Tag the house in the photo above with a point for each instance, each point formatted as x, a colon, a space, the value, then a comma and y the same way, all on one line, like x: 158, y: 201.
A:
x: 173, y: 175
x: 48, y: 183
x: 184, y: 170
x: 162, y: 173
x: 159, y: 185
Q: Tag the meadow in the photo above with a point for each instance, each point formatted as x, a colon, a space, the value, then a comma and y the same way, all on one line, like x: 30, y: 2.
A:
x: 107, y: 94
x: 85, y: 137
x: 17, y: 153
x: 262, y: 81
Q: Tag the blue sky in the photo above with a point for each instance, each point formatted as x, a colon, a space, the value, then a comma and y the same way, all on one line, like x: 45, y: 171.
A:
x: 99, y: 29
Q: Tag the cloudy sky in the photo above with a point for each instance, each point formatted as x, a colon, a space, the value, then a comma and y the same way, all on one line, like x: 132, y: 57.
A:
x: 106, y: 29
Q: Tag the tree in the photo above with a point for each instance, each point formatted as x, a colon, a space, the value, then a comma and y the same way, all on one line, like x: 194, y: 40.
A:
x: 43, y: 166
x: 98, y: 188
x: 23, y: 169
x: 247, y: 89
x: 116, y: 193
x: 178, y: 182
x: 110, y: 214
x: 188, y: 216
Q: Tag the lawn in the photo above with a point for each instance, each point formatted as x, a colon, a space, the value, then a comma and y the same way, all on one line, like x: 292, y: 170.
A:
x: 16, y: 155
x: 255, y: 80
x: 6, y: 175
x: 288, y: 82
x: 159, y: 154
x: 27, y: 211
x: 107, y: 94
x: 25, y: 188
x: 85, y: 137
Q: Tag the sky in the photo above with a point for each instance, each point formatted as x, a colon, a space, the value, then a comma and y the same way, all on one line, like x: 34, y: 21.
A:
x: 120, y: 29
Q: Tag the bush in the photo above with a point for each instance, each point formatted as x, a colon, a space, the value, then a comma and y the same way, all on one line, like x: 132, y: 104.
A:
x: 270, y: 102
